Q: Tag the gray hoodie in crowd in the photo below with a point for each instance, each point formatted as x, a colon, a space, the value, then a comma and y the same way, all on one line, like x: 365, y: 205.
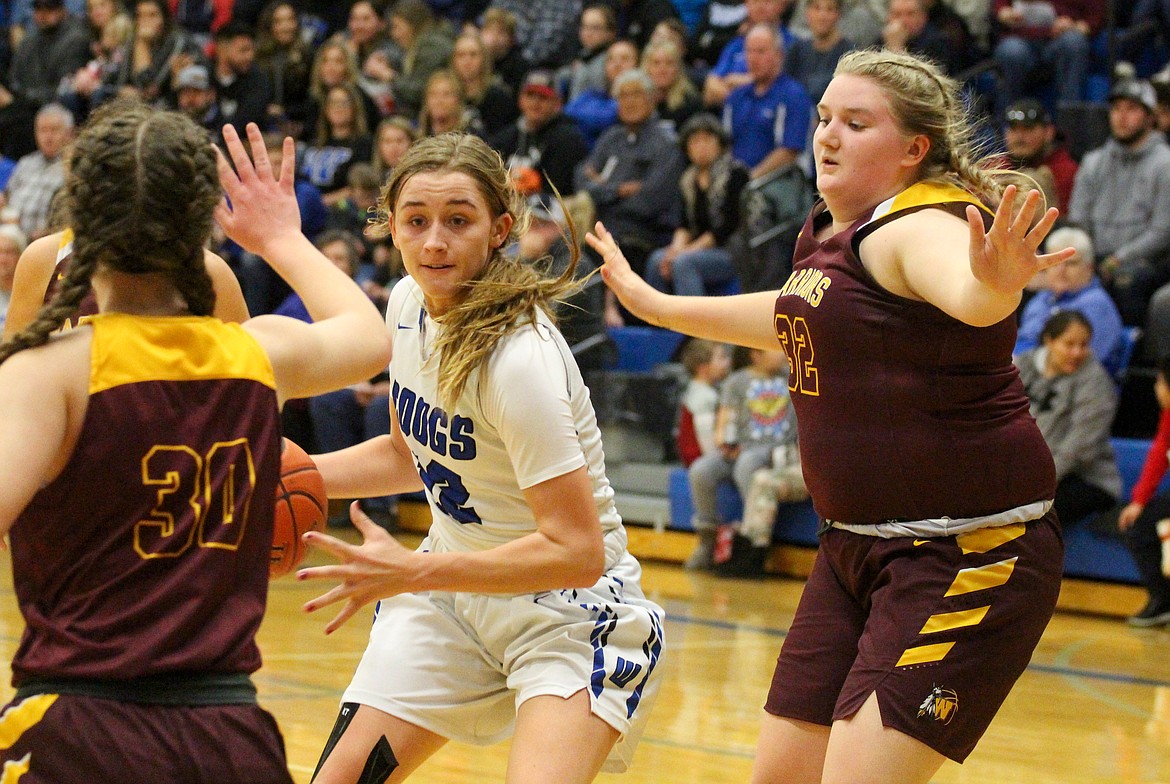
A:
x: 1122, y: 197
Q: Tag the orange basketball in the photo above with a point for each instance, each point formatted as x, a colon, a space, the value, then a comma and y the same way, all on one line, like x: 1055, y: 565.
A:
x: 301, y: 505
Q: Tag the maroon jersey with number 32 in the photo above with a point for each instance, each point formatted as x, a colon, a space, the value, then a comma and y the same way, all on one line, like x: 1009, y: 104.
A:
x: 904, y: 413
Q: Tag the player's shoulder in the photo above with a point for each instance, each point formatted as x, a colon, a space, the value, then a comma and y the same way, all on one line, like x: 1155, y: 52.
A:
x: 61, y: 353
x: 530, y: 354
x: 40, y: 256
x: 922, y: 195
x: 403, y: 294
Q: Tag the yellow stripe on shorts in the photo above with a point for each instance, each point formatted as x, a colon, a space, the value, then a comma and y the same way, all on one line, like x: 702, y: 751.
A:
x: 980, y: 578
x: 15, y: 769
x: 941, y: 622
x: 924, y: 654
x: 985, y: 539
x: 19, y: 718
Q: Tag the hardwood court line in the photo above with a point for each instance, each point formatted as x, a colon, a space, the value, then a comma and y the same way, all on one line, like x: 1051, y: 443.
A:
x: 1098, y: 675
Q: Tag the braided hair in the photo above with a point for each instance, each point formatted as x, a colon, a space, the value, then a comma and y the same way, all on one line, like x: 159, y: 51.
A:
x: 140, y: 191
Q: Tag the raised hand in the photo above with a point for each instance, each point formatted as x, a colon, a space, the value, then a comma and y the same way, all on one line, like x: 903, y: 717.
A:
x: 633, y: 292
x: 1005, y: 258
x: 257, y: 206
x: 375, y: 569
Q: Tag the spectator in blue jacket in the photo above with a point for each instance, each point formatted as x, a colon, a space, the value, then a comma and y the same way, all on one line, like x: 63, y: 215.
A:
x: 1074, y: 286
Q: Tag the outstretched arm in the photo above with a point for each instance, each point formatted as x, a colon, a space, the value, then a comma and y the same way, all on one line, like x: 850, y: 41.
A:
x: 743, y: 319
x: 347, y: 341
x: 229, y: 299
x: 34, y: 272
x: 973, y: 275
x: 566, y: 551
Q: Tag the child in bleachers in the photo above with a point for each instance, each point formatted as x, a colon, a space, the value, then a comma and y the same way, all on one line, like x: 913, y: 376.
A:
x: 782, y: 482
x: 707, y: 363
x: 754, y: 417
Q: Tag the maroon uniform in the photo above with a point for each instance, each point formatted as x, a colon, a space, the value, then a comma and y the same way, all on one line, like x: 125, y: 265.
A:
x: 142, y: 569
x: 904, y: 413
x: 914, y: 434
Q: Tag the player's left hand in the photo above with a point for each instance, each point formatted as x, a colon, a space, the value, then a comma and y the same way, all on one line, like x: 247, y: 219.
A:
x: 1005, y: 258
x: 375, y: 569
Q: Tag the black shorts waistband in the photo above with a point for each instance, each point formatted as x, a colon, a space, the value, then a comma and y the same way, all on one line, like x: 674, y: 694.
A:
x: 175, y: 689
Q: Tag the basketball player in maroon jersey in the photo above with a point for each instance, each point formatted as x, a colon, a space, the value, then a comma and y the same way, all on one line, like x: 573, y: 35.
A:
x: 141, y: 451
x: 940, y: 558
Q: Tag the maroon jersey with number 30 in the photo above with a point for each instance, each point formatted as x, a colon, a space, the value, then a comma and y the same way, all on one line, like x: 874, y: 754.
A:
x: 149, y: 553
x: 904, y: 413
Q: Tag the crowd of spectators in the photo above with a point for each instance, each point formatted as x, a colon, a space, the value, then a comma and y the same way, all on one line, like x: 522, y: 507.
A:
x: 588, y: 98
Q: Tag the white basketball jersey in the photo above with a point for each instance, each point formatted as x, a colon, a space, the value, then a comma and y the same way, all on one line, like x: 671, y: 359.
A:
x: 523, y: 418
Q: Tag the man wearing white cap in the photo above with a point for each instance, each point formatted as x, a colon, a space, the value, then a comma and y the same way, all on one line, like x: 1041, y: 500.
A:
x: 1122, y: 197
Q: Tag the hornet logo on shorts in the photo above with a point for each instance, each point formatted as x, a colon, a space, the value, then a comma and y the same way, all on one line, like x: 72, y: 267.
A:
x: 941, y: 705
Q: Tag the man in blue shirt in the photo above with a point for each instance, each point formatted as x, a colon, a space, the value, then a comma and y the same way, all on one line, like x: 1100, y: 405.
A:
x: 730, y: 71
x: 769, y: 118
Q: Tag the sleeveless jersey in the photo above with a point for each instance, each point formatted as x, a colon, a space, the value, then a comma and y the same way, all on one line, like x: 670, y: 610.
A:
x: 88, y: 306
x: 903, y: 412
x: 523, y: 418
x: 148, y: 555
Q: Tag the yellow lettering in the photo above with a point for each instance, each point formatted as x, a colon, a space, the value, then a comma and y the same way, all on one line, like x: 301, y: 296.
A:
x: 791, y: 283
x: 806, y: 285
x: 822, y: 287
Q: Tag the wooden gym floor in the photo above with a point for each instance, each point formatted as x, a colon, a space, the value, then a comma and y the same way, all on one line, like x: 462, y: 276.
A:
x: 1094, y: 706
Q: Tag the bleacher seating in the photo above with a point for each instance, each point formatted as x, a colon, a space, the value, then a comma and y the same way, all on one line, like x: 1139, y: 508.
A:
x: 1090, y: 552
x: 1094, y: 553
x: 644, y: 348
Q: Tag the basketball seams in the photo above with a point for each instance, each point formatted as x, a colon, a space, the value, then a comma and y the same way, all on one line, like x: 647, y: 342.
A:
x: 300, y: 506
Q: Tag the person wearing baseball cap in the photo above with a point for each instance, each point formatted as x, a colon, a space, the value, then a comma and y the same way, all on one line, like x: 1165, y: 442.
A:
x: 195, y: 96
x: 541, y: 83
x: 1122, y: 196
x: 1138, y: 91
x: 1029, y: 136
x: 543, y: 145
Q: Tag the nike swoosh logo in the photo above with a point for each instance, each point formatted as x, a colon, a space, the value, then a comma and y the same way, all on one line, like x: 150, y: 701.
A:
x: 405, y: 326
x: 920, y: 542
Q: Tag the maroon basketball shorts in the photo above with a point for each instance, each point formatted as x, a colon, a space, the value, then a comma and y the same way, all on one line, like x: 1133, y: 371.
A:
x: 939, y: 628
x: 53, y: 738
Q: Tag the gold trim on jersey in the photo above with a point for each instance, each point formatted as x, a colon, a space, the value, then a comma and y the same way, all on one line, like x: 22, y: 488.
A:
x: 918, y: 196
x: 64, y: 246
x: 129, y: 349
x: 924, y: 194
